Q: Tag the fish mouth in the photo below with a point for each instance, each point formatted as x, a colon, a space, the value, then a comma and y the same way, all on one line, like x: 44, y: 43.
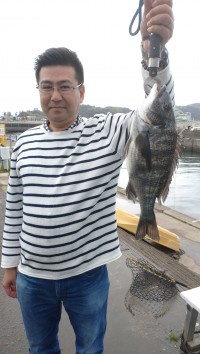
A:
x: 161, y: 90
x: 156, y: 91
x: 150, y: 82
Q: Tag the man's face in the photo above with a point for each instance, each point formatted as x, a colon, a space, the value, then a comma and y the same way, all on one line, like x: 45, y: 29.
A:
x: 60, y: 107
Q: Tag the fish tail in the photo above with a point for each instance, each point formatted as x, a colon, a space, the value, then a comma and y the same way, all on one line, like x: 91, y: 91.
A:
x: 147, y: 227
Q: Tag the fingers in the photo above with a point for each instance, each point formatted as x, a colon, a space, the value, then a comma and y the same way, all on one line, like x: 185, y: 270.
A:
x: 163, y: 25
x: 164, y: 33
x: 163, y: 4
x: 160, y: 2
x: 160, y: 20
x: 10, y: 290
x: 160, y: 13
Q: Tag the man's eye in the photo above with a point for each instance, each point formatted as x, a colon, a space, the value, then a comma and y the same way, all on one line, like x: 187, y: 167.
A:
x: 65, y: 88
x: 46, y: 87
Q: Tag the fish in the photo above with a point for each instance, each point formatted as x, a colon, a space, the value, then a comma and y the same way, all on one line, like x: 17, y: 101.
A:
x: 152, y: 154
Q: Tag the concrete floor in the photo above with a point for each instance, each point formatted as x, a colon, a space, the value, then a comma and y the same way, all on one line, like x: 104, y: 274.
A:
x: 133, y: 327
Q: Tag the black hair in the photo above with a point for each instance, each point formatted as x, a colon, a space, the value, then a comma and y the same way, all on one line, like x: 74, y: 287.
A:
x: 59, y: 56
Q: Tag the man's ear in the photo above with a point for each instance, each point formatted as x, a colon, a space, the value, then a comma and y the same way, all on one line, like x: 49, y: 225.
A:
x: 82, y: 93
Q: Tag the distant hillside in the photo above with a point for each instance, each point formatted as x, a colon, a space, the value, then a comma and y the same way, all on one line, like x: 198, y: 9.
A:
x: 187, y: 112
x: 193, y: 109
x: 89, y: 111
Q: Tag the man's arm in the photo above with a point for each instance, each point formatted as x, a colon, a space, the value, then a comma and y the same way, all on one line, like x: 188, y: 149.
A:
x: 12, y: 228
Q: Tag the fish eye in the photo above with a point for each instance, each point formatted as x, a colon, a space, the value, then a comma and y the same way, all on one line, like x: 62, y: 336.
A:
x: 166, y: 107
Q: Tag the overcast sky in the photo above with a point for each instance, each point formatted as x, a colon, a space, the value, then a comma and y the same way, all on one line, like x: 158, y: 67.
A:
x: 98, y: 32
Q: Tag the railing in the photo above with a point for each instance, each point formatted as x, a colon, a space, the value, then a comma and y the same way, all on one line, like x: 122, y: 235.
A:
x: 20, y: 126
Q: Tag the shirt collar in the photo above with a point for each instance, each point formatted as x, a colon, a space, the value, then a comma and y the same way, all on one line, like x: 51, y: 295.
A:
x: 78, y: 120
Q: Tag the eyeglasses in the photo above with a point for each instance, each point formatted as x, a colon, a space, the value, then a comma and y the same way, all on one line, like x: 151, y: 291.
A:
x: 45, y: 87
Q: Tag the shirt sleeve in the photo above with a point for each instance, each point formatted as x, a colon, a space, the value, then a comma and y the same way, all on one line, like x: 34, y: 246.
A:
x: 13, y: 218
x: 165, y: 77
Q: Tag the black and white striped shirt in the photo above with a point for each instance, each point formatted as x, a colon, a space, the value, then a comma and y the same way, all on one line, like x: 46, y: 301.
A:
x: 60, y: 212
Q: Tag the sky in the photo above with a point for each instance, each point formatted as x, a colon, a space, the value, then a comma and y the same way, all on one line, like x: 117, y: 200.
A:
x: 98, y: 31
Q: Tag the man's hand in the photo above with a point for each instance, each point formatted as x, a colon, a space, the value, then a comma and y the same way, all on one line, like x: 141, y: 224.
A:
x: 157, y: 18
x: 9, y: 282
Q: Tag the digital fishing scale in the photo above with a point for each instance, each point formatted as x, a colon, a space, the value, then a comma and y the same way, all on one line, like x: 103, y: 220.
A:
x: 154, y: 51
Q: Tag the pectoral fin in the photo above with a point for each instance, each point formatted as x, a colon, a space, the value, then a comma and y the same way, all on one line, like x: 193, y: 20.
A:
x: 143, y: 145
x: 126, y: 148
x: 130, y: 192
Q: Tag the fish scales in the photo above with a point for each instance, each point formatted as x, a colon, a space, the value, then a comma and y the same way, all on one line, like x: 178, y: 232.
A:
x: 153, y: 150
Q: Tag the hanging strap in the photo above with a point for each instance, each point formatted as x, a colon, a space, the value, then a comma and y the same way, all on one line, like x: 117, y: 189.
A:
x: 139, y: 14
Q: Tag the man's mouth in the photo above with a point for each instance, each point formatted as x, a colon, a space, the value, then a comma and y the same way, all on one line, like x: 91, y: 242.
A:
x: 56, y: 107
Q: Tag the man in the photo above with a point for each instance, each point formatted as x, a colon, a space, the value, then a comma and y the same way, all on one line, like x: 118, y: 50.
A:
x: 60, y: 226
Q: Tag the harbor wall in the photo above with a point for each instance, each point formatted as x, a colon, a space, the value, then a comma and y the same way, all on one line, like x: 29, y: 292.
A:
x: 191, y: 145
x: 190, y: 140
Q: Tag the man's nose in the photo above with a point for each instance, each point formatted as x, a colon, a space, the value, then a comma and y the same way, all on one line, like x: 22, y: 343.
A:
x: 56, y: 96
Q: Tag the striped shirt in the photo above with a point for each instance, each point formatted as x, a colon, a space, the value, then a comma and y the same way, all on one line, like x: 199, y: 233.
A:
x: 60, y: 212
